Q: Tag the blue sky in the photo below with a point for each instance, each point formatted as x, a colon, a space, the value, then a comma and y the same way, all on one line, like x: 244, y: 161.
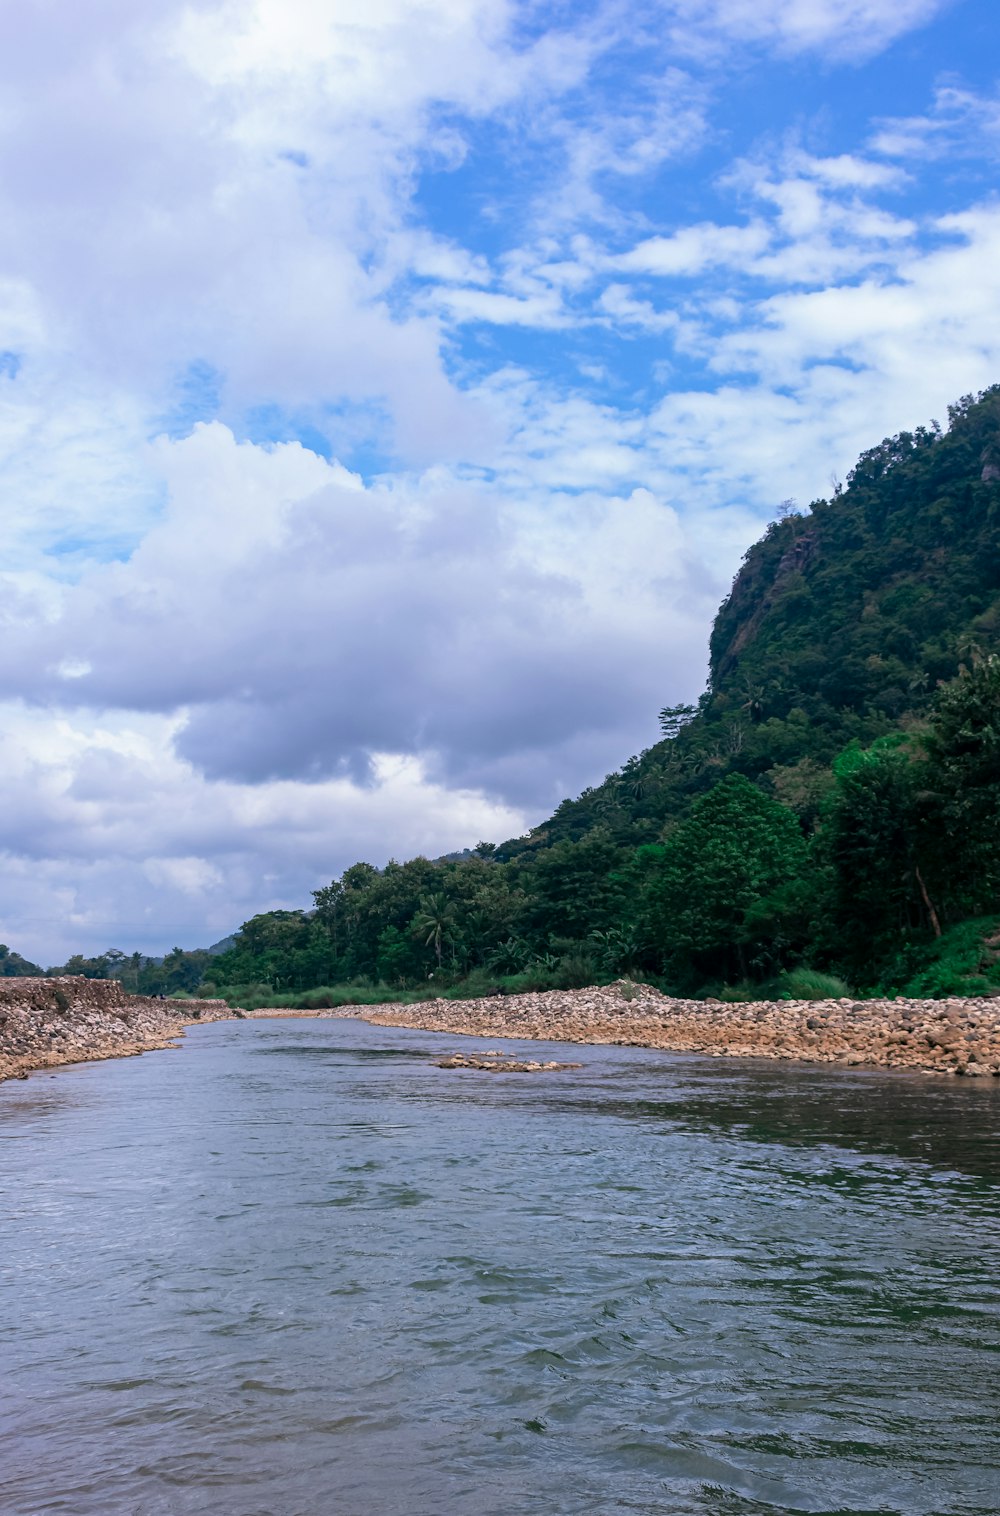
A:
x: 389, y: 390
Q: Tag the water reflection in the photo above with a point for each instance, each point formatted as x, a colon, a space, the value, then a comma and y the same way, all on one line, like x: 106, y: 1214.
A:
x: 949, y: 1124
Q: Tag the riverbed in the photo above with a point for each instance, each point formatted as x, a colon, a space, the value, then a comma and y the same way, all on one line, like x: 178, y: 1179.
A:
x: 294, y: 1267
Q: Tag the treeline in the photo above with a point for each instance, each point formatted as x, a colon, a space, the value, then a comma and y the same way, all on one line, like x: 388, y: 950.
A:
x: 860, y: 869
x: 13, y: 966
x: 180, y: 972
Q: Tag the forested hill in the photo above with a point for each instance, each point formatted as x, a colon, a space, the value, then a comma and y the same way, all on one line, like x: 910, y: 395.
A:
x: 841, y: 624
x: 831, y: 808
x: 861, y: 607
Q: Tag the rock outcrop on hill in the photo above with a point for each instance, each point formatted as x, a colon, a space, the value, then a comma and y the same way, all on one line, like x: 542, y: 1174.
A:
x: 45, y: 1022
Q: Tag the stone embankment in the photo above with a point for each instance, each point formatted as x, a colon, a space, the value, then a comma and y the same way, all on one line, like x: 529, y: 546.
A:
x: 930, y: 1036
x: 69, y: 1019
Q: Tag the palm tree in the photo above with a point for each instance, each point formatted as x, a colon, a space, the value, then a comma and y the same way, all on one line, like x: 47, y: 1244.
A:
x: 435, y: 915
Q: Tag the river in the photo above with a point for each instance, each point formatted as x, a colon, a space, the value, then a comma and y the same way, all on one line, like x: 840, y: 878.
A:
x: 295, y: 1269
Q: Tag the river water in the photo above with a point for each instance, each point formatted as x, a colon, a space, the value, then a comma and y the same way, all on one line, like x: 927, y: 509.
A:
x: 295, y: 1269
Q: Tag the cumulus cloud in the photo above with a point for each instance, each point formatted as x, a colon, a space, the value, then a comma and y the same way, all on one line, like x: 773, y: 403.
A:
x: 113, y: 840
x: 569, y: 395
x: 220, y: 182
x: 303, y: 623
x: 935, y: 319
x: 696, y: 248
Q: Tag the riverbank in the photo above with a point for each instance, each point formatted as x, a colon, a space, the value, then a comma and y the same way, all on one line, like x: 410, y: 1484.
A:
x: 48, y: 1022
x: 927, y: 1036
x: 69, y: 1019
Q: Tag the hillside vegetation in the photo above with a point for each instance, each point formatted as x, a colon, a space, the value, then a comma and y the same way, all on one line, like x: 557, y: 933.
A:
x: 826, y: 816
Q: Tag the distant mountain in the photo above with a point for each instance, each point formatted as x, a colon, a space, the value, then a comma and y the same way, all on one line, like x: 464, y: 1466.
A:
x: 223, y: 945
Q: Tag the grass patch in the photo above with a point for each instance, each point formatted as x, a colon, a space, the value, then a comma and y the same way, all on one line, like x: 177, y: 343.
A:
x: 810, y: 984
x: 964, y: 961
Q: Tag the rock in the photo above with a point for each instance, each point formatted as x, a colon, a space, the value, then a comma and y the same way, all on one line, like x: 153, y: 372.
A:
x: 946, y: 1037
x: 96, y: 1019
x: 493, y: 1063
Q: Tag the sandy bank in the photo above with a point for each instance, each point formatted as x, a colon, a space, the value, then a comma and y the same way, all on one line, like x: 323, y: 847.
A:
x: 932, y: 1036
x: 46, y: 1022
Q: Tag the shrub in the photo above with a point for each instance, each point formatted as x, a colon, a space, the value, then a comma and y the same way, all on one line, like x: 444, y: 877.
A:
x: 810, y: 984
x: 964, y: 961
x: 576, y: 971
x: 736, y: 994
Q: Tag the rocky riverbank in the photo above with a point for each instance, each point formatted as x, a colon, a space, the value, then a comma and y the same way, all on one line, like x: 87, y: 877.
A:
x: 930, y: 1036
x: 46, y: 1022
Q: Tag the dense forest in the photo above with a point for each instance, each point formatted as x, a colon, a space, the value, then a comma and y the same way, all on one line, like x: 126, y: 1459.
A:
x: 825, y: 817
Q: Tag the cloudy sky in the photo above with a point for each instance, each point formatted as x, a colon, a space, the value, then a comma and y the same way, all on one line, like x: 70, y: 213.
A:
x: 389, y: 388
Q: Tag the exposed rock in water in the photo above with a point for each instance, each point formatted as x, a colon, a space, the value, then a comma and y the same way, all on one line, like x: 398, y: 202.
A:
x: 496, y: 1063
x: 69, y: 1019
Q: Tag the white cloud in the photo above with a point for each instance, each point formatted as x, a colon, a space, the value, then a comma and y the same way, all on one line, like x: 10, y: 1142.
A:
x: 960, y: 122
x: 301, y: 623
x: 846, y: 171
x: 933, y: 321
x: 694, y: 248
x: 816, y: 223
x: 111, y: 840
x: 625, y: 310
x: 225, y: 183
x: 542, y: 311
x: 843, y: 29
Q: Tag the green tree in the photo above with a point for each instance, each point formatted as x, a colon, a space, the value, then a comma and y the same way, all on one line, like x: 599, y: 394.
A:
x: 673, y: 718
x: 572, y: 889
x: 398, y: 960
x: 878, y: 836
x: 963, y: 747
x: 705, y: 884
x: 12, y: 965
x: 434, y: 921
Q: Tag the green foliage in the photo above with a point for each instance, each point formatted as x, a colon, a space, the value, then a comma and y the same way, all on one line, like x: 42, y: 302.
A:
x: 809, y: 984
x: 617, y: 950
x: 674, y: 717
x: 13, y: 966
x: 180, y: 971
x: 875, y: 840
x: 706, y: 884
x: 434, y: 922
x: 398, y: 958
x: 576, y: 970
x: 964, y: 757
x: 965, y: 960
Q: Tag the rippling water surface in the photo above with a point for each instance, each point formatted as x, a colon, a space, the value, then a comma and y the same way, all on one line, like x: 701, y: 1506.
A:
x: 294, y: 1269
